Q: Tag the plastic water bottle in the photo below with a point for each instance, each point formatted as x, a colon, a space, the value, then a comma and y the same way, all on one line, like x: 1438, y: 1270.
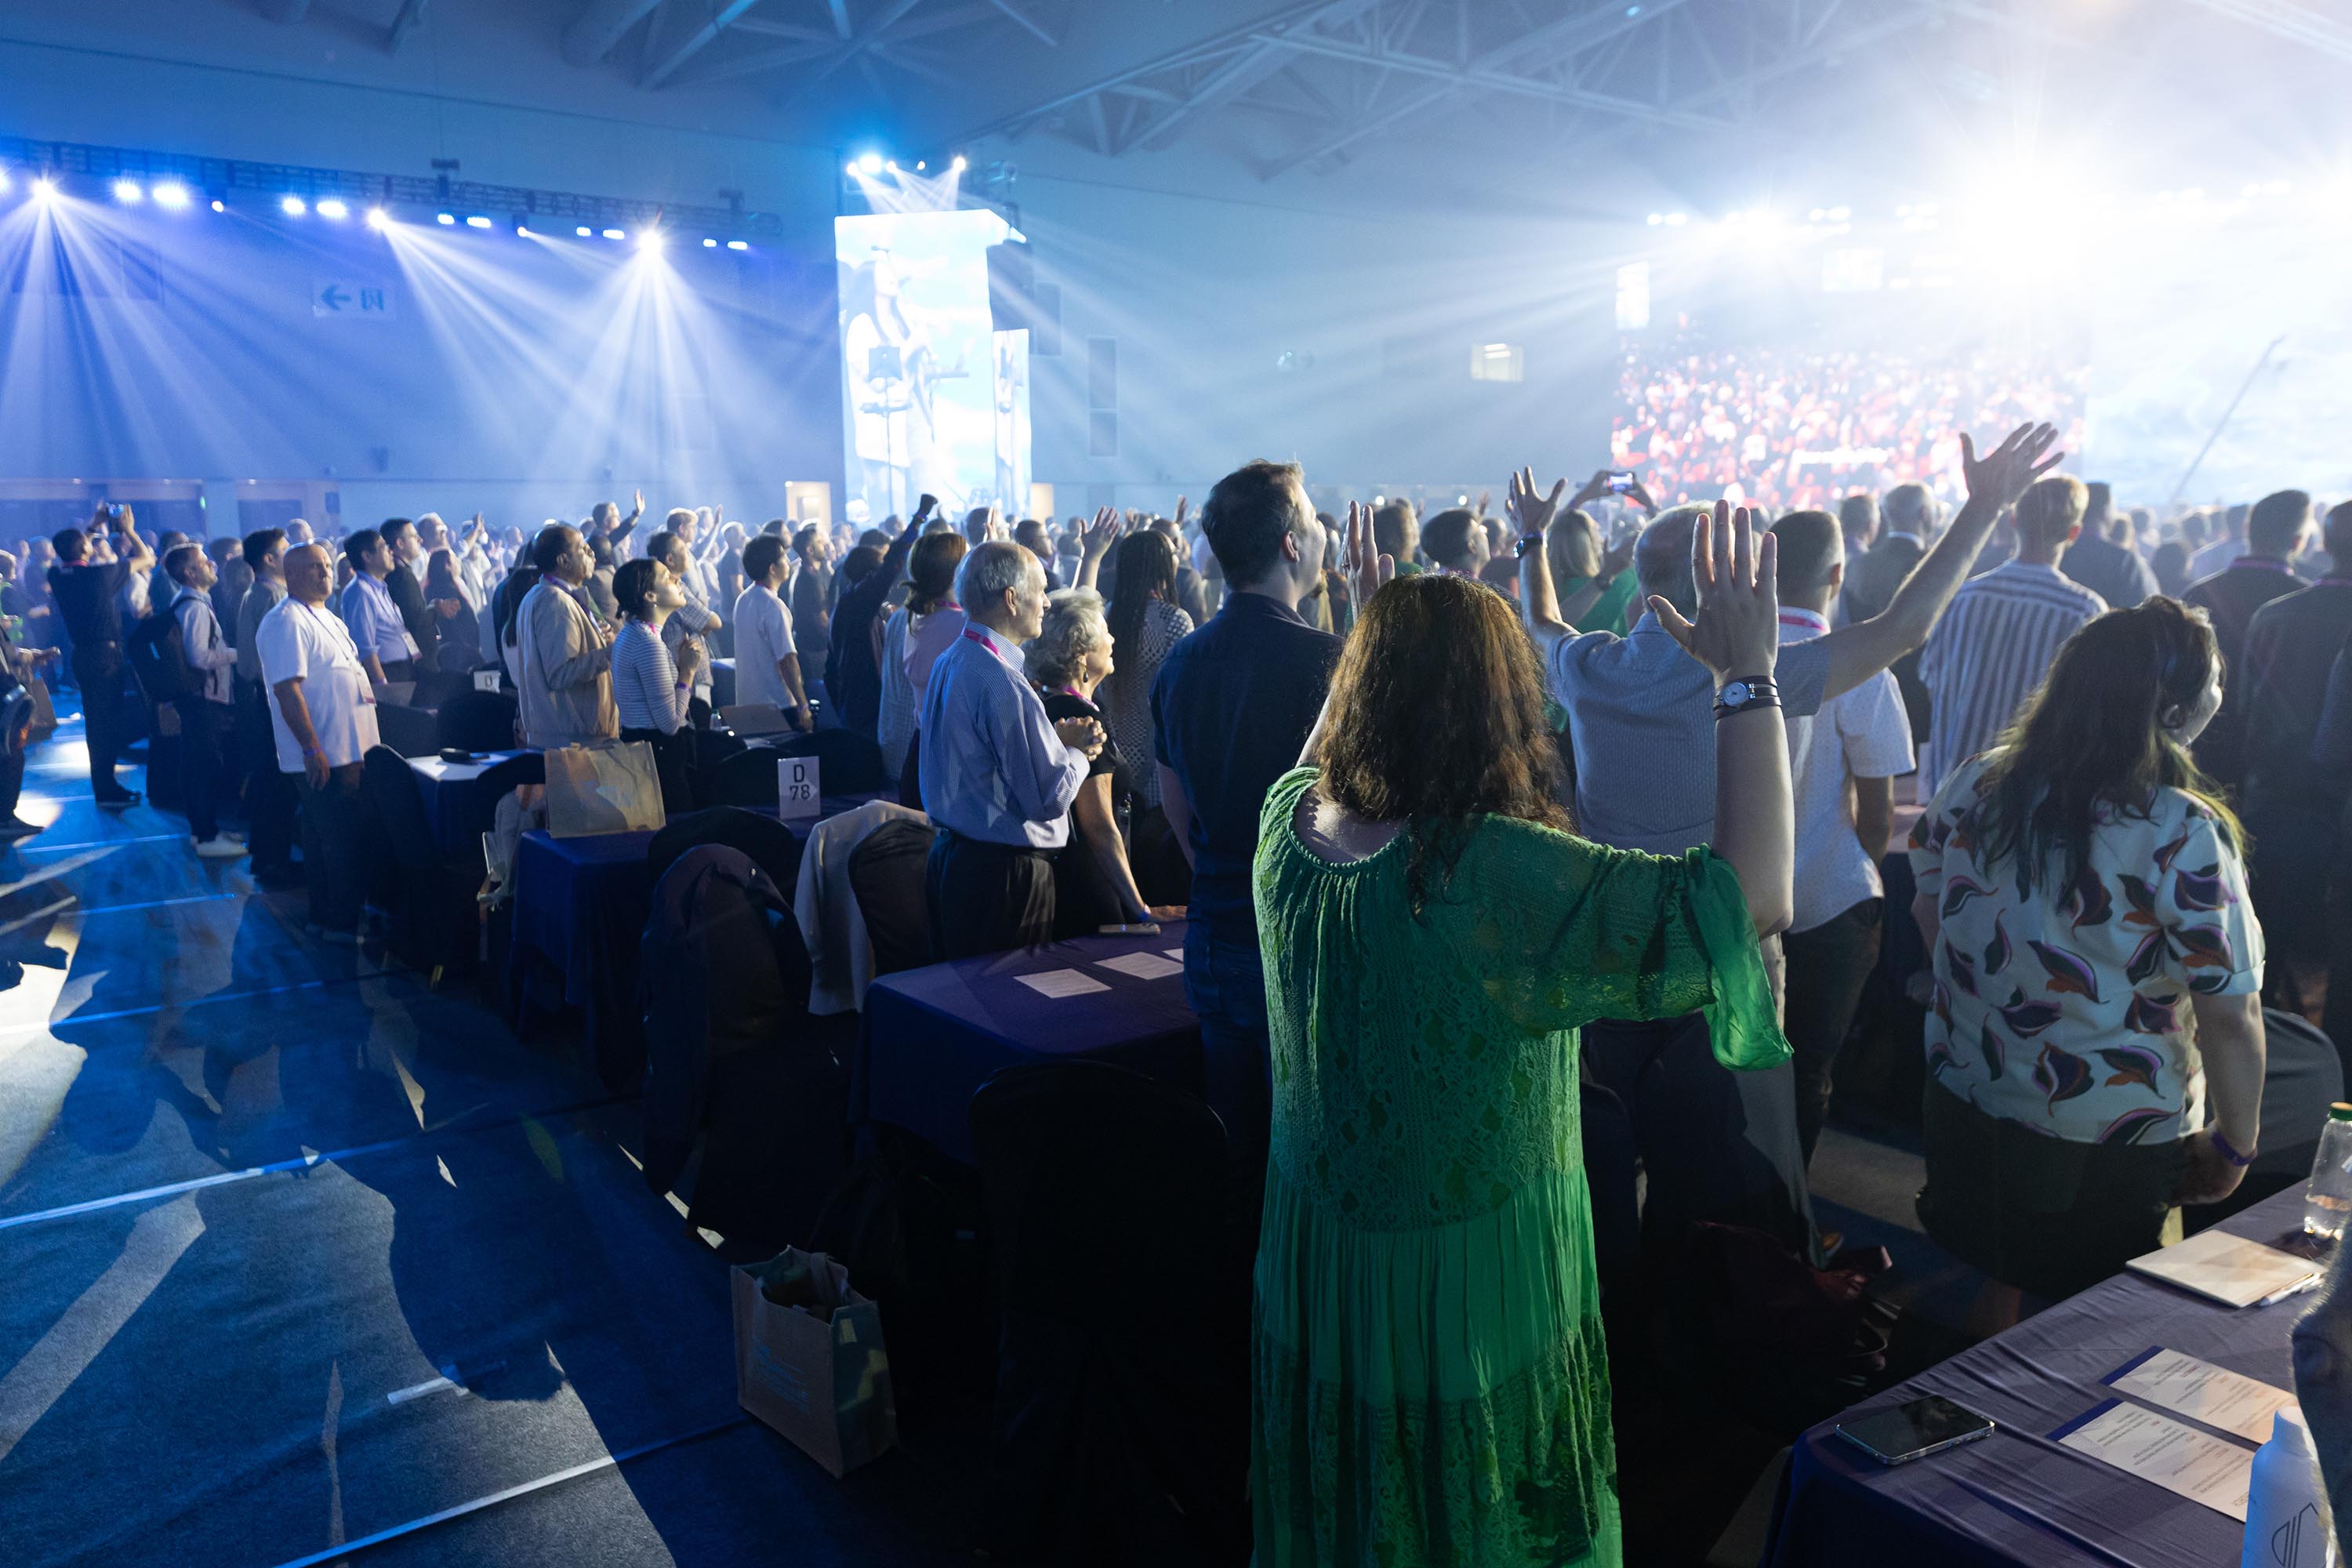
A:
x: 2286, y: 1513
x: 2327, y: 1201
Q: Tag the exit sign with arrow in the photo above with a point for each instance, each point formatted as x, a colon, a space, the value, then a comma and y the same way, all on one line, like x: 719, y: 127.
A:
x: 344, y: 299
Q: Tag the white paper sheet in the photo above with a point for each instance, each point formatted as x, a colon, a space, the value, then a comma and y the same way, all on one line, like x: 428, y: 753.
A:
x: 1142, y: 965
x: 1060, y: 982
x: 2177, y: 1457
x: 1177, y: 953
x: 2215, y: 1395
x: 2226, y: 1268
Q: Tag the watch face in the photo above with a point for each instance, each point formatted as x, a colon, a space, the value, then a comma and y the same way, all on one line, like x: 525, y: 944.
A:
x: 1732, y: 695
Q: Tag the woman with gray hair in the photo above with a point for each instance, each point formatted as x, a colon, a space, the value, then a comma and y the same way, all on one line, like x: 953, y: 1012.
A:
x: 1093, y: 884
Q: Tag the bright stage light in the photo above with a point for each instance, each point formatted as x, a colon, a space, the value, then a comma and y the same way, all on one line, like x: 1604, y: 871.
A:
x: 920, y: 165
x: 1676, y: 220
x: 292, y: 206
x: 1658, y: 218
x: 171, y: 193
x: 708, y: 244
x: 378, y: 219
x: 219, y: 205
x: 959, y: 166
x: 584, y: 231
x: 476, y: 220
x: 651, y: 239
x: 446, y: 220
x: 128, y: 190
x: 737, y: 245
x: 869, y: 163
x: 5, y: 181
x: 616, y: 234
x: 892, y: 165
x: 335, y: 208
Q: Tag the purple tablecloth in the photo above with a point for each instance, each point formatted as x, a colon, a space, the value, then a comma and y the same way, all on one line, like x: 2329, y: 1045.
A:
x: 2016, y: 1497
x: 932, y: 1035
x: 452, y: 793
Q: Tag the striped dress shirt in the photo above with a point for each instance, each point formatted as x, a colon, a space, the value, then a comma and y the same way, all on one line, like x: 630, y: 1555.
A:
x: 1993, y: 648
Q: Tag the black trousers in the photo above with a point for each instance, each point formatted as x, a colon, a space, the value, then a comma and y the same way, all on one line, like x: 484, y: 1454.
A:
x: 269, y: 795
x: 1828, y: 966
x: 334, y: 848
x: 202, y: 723
x: 986, y: 898
x: 1715, y: 1145
x: 105, y: 711
x: 673, y: 764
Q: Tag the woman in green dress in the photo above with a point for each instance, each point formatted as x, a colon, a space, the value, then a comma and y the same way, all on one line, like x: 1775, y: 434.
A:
x: 1430, y: 1382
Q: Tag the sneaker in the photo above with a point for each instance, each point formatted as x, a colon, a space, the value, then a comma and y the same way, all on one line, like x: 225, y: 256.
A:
x: 218, y: 847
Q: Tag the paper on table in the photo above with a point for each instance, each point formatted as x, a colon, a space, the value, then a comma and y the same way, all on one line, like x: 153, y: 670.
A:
x: 1177, y: 953
x: 1142, y: 965
x: 2226, y: 1268
x: 2180, y: 1459
x: 1061, y: 982
x: 2202, y: 1391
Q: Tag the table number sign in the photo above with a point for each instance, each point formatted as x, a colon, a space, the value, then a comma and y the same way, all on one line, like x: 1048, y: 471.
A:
x: 486, y: 680
x: 798, y: 793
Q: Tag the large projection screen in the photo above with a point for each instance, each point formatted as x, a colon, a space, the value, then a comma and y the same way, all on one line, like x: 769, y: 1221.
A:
x: 934, y: 399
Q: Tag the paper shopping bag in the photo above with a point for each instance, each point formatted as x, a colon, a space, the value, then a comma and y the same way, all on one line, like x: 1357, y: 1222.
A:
x: 815, y: 1370
x: 610, y: 788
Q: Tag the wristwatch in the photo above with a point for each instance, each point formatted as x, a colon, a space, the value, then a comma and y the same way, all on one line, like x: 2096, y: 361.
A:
x: 1748, y: 691
x: 1527, y: 542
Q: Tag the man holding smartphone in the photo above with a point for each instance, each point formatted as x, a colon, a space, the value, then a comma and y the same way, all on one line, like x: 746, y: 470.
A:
x: 88, y: 594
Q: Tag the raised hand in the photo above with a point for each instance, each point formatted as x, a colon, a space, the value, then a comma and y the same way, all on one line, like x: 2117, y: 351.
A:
x: 1182, y: 507
x: 996, y: 529
x: 1737, y: 632
x: 1095, y: 539
x: 1366, y: 569
x: 2006, y: 473
x: 1529, y: 509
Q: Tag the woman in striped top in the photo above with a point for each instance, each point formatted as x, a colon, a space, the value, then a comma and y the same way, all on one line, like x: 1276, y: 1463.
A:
x: 650, y: 687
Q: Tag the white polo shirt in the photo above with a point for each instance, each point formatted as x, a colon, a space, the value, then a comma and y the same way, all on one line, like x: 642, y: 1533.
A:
x: 1865, y: 732
x: 764, y: 634
x: 306, y: 641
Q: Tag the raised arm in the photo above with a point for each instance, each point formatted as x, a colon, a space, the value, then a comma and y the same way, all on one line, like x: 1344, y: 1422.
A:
x: 1531, y: 511
x: 1736, y: 637
x: 1094, y: 542
x: 1860, y: 651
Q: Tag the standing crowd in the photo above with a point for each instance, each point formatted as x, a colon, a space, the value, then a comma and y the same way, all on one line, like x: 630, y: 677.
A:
x: 1533, y: 862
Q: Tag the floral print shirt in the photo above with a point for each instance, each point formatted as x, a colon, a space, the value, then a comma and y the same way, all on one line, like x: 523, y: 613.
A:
x: 2068, y: 1009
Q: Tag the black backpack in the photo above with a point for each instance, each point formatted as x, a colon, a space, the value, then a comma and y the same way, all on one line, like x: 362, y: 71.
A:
x: 155, y: 658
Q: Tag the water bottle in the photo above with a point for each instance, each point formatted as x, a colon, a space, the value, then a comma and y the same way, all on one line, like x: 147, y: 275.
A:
x: 2286, y: 1511
x: 2327, y: 1201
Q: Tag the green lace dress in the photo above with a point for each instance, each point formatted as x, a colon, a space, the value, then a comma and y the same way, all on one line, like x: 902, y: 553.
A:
x: 1429, y: 1384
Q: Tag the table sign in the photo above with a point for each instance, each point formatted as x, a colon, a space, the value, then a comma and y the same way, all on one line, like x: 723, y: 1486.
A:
x: 797, y: 792
x: 1143, y: 965
x: 1060, y: 982
x: 2205, y: 1393
x: 2199, y: 1467
x: 486, y: 680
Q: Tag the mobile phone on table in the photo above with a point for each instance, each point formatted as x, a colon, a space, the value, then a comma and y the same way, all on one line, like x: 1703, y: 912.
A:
x: 1913, y: 1431
x: 1132, y: 927
x: 1620, y: 481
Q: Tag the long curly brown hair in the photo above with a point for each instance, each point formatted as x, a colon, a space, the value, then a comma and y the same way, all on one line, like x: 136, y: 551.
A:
x: 2091, y: 741
x: 1437, y: 720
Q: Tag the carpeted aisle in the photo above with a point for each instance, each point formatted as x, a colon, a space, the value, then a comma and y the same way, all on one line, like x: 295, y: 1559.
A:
x: 297, y: 1254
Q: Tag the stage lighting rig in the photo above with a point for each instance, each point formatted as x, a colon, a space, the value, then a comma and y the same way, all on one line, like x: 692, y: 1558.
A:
x: 333, y: 207
x: 292, y: 206
x: 128, y: 191
x: 170, y: 194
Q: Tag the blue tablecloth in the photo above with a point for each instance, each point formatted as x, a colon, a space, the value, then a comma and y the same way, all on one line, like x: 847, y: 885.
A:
x: 932, y: 1035
x: 453, y: 798
x: 2016, y: 1497
x: 581, y: 904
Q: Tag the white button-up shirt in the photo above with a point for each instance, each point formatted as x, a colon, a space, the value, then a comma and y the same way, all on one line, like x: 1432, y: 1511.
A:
x: 1863, y: 733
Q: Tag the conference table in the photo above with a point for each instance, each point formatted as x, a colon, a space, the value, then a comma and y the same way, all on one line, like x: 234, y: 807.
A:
x: 932, y: 1035
x: 581, y: 905
x: 2018, y: 1497
x: 453, y: 795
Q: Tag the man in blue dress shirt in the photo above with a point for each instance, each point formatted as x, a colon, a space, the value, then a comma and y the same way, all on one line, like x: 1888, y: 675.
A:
x: 998, y: 775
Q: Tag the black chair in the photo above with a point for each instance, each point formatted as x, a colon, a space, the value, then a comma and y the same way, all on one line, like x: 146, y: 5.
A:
x: 732, y: 1062
x: 435, y: 923
x: 407, y: 730
x: 886, y: 872
x: 847, y: 764
x: 476, y: 721
x: 771, y: 845
x: 1120, y: 1429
